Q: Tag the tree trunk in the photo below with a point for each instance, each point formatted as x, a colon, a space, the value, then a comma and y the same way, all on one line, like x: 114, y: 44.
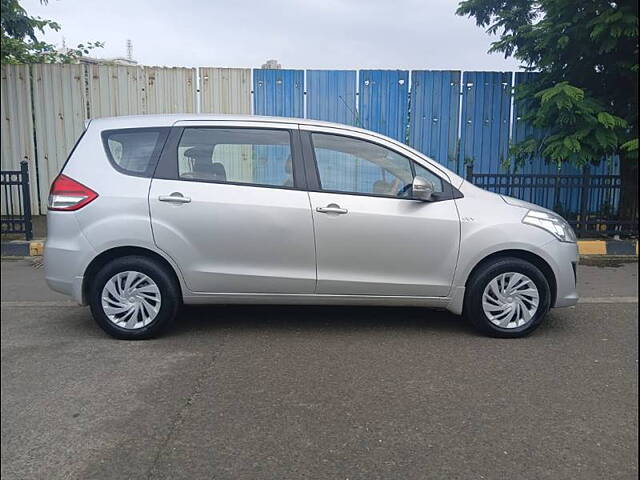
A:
x: 629, y: 193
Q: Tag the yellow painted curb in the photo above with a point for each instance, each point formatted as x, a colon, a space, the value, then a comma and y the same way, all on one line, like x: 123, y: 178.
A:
x: 592, y: 247
x: 585, y: 247
x: 36, y: 249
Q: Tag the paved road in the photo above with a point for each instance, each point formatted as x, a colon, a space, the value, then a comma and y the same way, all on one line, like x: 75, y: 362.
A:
x: 320, y: 393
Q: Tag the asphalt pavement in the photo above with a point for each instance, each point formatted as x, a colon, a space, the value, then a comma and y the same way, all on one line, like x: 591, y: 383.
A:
x: 320, y: 393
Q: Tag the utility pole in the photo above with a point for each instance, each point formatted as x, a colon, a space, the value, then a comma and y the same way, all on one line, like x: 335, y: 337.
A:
x: 129, y: 49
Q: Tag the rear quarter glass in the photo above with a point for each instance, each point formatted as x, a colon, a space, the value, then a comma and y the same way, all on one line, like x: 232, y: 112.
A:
x: 134, y: 151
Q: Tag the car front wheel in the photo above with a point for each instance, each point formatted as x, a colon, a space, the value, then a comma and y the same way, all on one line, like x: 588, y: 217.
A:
x: 507, y: 297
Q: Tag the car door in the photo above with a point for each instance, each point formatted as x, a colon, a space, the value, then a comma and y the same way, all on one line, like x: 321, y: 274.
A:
x: 372, y: 238
x: 228, y: 204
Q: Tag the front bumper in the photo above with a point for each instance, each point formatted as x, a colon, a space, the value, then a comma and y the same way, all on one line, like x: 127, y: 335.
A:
x: 563, y: 258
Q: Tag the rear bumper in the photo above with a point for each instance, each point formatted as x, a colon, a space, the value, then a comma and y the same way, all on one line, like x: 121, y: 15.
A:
x: 71, y: 288
x: 66, y: 255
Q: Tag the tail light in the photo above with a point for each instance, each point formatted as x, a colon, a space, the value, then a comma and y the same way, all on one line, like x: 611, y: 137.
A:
x: 68, y: 195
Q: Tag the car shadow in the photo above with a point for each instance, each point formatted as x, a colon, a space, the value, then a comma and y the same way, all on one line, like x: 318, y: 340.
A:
x: 316, y: 318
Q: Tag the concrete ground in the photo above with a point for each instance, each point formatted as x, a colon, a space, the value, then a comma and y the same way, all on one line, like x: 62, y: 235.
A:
x: 320, y: 393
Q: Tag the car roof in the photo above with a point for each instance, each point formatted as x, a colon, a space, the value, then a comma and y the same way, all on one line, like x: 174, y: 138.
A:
x: 162, y: 120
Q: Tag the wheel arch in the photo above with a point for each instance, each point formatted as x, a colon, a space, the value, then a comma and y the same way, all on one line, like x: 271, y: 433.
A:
x: 106, y: 256
x: 528, y: 256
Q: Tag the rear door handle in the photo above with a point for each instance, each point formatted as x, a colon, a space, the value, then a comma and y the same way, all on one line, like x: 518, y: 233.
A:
x: 175, y: 197
x: 332, y: 208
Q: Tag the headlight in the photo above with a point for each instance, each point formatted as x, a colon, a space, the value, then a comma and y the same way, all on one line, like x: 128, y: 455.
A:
x: 553, y: 224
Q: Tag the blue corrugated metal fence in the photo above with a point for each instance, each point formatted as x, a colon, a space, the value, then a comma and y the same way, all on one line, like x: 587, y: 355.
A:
x: 278, y: 93
x: 435, y: 112
x: 486, y: 114
x: 455, y: 118
x: 384, y: 102
x: 331, y: 96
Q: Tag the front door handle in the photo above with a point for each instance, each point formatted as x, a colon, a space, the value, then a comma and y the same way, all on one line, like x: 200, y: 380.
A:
x: 332, y: 208
x: 175, y: 197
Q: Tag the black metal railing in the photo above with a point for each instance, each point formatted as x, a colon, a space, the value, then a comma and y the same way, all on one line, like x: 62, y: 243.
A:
x: 592, y: 204
x: 16, y: 201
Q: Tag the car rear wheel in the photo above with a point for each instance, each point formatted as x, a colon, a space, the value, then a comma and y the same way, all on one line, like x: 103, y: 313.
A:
x: 134, y: 298
x: 507, y: 297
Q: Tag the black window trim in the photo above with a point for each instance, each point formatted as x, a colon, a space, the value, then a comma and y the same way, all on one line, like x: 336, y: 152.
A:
x: 155, y: 155
x: 449, y: 192
x: 167, y: 168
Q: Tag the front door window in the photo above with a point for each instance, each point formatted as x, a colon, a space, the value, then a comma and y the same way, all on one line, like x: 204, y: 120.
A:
x: 351, y: 165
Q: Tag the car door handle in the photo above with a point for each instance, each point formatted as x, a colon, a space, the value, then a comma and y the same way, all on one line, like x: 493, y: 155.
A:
x: 175, y: 197
x: 332, y: 208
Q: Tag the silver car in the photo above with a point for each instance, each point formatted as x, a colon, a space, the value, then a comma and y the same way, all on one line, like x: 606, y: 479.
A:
x: 152, y: 212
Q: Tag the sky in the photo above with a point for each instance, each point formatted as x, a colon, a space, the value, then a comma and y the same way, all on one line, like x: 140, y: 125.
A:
x: 322, y: 34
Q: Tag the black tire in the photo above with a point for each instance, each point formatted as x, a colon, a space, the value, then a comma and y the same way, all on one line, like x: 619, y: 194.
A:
x: 165, y: 281
x: 474, y: 312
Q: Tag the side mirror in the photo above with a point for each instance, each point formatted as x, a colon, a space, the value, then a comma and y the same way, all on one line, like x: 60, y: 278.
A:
x: 422, y: 188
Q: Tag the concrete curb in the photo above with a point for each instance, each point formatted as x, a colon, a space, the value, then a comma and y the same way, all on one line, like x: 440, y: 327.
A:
x: 22, y: 248
x: 34, y: 248
x: 608, y: 247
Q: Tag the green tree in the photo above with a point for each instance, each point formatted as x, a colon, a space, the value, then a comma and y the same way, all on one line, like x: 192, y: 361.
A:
x: 19, y: 42
x: 585, y: 96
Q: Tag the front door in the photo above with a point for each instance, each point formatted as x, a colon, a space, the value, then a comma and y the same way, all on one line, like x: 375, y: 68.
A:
x: 226, y: 206
x: 371, y: 237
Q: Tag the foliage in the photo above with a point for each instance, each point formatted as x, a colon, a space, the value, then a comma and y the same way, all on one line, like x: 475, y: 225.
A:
x: 584, y: 97
x: 582, y: 130
x: 19, y: 41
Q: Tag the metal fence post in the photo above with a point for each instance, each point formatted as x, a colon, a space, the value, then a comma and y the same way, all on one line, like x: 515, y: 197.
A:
x: 584, y: 200
x: 470, y: 172
x: 26, y: 200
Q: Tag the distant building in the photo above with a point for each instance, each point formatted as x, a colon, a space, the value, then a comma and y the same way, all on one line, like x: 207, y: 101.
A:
x: 108, y: 61
x: 127, y: 61
x: 271, y: 65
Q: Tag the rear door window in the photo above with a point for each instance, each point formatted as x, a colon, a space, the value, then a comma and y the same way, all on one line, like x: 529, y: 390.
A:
x: 134, y: 151
x: 236, y: 155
